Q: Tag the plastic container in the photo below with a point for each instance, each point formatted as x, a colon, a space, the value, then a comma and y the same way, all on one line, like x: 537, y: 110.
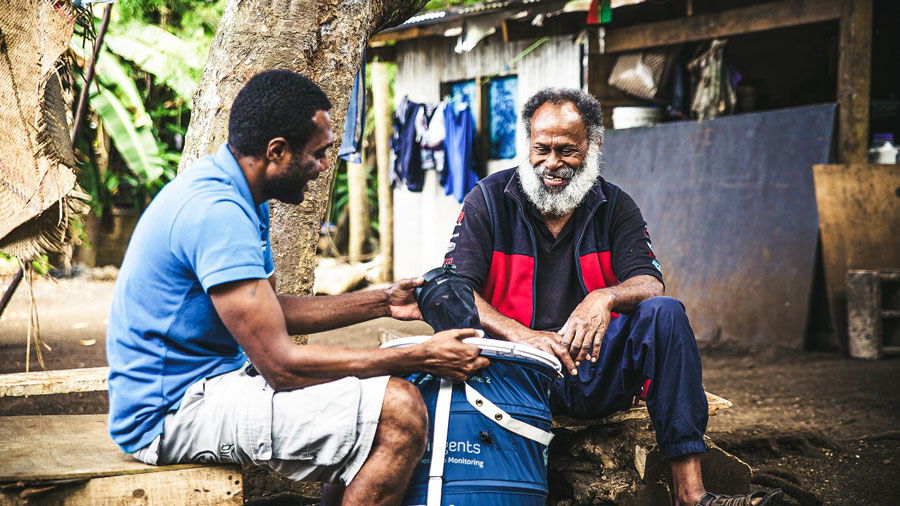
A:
x: 883, y: 149
x: 486, y: 463
x: 630, y: 117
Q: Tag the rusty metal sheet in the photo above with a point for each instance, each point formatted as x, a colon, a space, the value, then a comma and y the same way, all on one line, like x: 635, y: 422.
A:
x: 731, y: 208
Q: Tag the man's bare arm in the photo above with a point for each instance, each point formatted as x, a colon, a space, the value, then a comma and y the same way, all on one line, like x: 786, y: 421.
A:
x: 307, y: 315
x: 591, y: 317
x: 503, y: 327
x: 252, y: 313
x: 583, y: 332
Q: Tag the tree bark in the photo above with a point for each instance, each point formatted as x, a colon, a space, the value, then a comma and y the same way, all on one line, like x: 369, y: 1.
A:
x: 323, y: 40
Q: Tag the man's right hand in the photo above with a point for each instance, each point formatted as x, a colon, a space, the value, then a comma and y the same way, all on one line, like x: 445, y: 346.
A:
x: 549, y: 342
x: 446, y: 356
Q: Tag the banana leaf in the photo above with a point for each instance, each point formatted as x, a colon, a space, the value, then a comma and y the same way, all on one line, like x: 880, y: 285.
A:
x: 114, y: 76
x: 136, y: 144
x: 176, y: 63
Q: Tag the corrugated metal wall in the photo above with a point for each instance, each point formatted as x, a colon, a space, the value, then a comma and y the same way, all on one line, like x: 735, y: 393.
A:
x: 424, y: 221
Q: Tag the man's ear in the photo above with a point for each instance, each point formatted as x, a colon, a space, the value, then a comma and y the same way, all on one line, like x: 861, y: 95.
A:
x: 277, y: 149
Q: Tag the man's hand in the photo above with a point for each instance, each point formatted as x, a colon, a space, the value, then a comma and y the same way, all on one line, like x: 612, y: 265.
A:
x: 446, y: 356
x: 583, y: 332
x: 401, y: 299
x: 549, y: 342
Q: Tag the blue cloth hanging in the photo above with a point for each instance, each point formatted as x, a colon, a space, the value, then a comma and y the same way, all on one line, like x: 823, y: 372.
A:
x: 355, y: 124
x: 459, y: 145
x: 407, y: 151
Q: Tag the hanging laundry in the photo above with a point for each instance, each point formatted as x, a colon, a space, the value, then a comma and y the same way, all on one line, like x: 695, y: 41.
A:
x: 408, y: 152
x: 430, y: 135
x: 459, y: 145
x: 355, y: 124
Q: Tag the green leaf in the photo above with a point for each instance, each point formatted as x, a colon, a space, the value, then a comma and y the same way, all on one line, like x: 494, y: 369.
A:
x: 41, y: 265
x: 136, y: 144
x: 176, y: 63
x: 114, y: 75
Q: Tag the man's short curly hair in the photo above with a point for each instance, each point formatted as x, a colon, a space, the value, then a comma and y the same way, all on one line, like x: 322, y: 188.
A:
x: 274, y: 103
x: 586, y: 104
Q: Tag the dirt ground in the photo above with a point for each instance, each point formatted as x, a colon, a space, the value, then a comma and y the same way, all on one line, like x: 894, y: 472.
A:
x: 828, y: 424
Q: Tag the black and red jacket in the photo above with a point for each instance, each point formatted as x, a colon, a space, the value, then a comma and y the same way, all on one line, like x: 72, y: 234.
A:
x: 494, y: 245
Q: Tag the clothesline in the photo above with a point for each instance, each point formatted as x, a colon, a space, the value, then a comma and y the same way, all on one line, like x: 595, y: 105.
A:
x: 514, y: 59
x: 437, y: 137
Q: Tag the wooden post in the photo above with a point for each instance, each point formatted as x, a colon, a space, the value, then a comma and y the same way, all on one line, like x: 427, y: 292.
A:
x: 358, y: 205
x: 873, y: 306
x: 481, y: 109
x: 854, y: 80
x: 381, y: 102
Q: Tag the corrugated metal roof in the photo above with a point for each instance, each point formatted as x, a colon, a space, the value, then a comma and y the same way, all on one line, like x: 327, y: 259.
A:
x: 457, y: 13
x: 426, y: 18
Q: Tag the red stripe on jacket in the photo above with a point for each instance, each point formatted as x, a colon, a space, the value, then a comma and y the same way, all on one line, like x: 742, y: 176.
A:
x: 510, y: 286
x: 597, y: 272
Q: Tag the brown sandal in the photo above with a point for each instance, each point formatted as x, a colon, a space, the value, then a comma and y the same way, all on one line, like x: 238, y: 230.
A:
x: 771, y: 498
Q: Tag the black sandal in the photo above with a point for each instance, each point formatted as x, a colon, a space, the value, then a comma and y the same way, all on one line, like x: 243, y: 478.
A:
x: 771, y: 498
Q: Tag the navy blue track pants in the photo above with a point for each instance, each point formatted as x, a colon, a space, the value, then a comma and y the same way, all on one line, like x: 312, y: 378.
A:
x: 654, y: 341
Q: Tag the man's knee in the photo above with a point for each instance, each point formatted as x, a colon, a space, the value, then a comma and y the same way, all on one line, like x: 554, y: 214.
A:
x: 666, y: 320
x: 662, y: 306
x: 404, y: 410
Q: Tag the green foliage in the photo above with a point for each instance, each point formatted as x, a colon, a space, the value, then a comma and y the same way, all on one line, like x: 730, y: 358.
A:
x: 113, y: 75
x: 147, y: 71
x: 41, y: 265
x: 181, y: 16
x: 439, y: 5
x: 135, y: 144
x: 340, y: 195
x: 172, y: 62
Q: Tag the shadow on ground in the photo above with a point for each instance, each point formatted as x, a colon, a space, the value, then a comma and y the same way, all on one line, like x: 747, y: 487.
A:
x: 828, y: 425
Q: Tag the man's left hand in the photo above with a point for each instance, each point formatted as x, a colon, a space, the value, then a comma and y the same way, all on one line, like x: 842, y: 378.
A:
x: 401, y: 300
x: 583, y: 332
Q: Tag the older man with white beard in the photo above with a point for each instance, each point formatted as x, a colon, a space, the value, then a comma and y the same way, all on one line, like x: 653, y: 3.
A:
x: 560, y: 259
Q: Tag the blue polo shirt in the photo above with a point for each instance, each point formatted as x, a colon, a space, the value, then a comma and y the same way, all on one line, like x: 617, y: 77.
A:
x: 164, y: 334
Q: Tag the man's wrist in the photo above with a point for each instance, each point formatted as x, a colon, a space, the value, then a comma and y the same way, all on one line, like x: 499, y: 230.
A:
x: 606, y: 296
x: 386, y: 303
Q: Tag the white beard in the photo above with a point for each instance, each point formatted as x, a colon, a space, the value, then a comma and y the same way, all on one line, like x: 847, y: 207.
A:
x: 560, y: 203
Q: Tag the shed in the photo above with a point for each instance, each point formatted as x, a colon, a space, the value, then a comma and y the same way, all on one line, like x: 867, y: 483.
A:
x: 730, y: 201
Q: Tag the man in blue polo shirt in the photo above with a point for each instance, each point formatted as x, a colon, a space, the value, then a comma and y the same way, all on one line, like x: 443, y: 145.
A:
x: 195, y: 300
x: 560, y: 259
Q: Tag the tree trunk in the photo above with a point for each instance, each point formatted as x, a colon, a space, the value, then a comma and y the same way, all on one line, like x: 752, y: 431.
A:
x: 359, y: 207
x: 381, y: 104
x: 323, y: 40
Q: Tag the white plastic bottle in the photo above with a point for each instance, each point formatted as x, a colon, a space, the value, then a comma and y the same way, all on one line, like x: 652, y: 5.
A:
x: 883, y: 149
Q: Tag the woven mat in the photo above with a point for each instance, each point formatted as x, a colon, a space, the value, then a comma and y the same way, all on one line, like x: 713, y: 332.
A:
x: 37, y: 163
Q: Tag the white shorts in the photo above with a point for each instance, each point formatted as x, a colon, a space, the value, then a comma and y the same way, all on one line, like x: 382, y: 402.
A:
x: 319, y: 433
